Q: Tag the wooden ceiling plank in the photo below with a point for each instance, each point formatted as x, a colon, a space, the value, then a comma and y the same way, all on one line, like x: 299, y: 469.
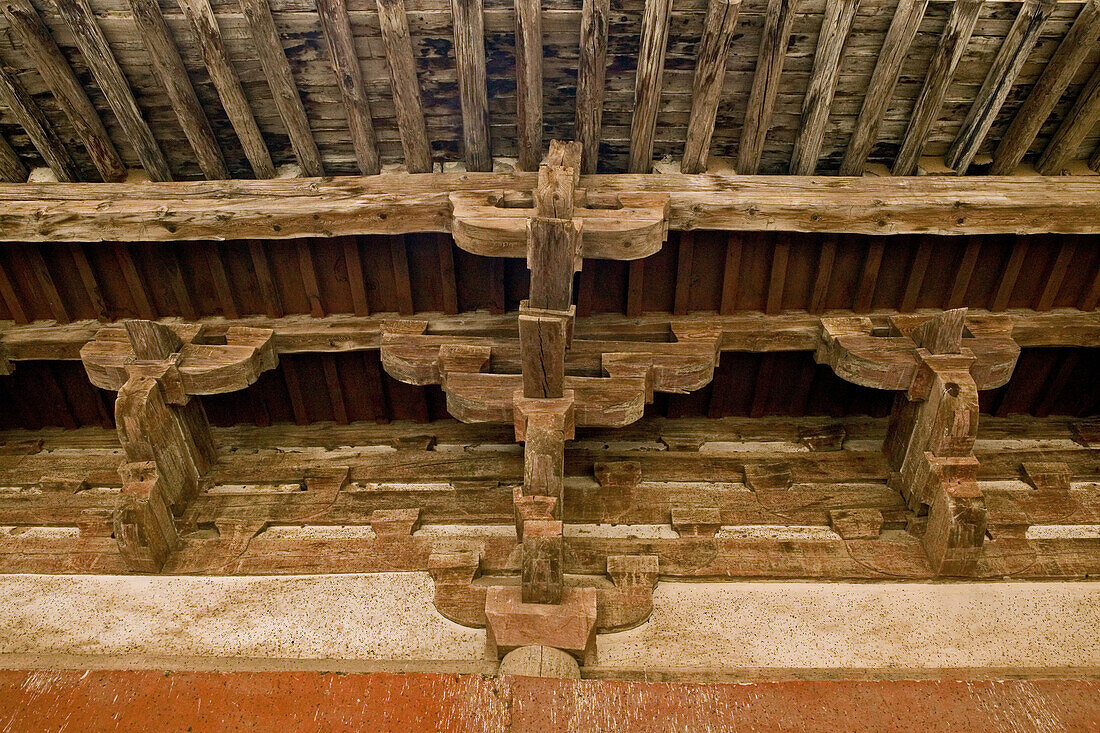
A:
x: 357, y: 281
x: 38, y: 128
x: 173, y: 76
x: 335, y: 390
x: 1007, y: 65
x: 447, y: 279
x: 868, y: 279
x: 876, y: 100
x: 142, y: 305
x: 1077, y: 45
x: 399, y: 256
x: 941, y: 72
x: 11, y: 298
x: 280, y: 78
x: 1057, y: 275
x: 294, y: 391
x: 731, y: 273
x: 591, y: 76
x: 46, y: 285
x: 269, y: 291
x: 309, y: 279
x: 1009, y: 275
x: 914, y: 280
x: 349, y: 78
x: 529, y: 83
x: 174, y: 275
x: 836, y: 27
x: 89, y: 281
x: 67, y: 91
x: 99, y: 57
x: 778, y: 23
x: 408, y: 107
x: 684, y: 274
x: 635, y: 288
x: 706, y: 86
x: 223, y: 290
x: 957, y: 297
x: 12, y: 169
x: 647, y: 83
x: 469, y: 38
x: 819, y: 296
x: 778, y: 277
x: 223, y: 76
x: 1077, y: 125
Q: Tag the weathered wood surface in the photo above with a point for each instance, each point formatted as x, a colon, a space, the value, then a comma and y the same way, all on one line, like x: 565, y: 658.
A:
x: 204, y: 28
x: 39, y: 129
x: 706, y: 85
x: 469, y: 49
x: 649, y: 78
x: 591, y: 77
x: 751, y: 333
x: 12, y: 169
x: 1079, y: 121
x: 778, y: 24
x: 399, y: 203
x: 349, y: 74
x: 529, y: 83
x: 409, y: 109
x: 39, y: 45
x: 1007, y: 67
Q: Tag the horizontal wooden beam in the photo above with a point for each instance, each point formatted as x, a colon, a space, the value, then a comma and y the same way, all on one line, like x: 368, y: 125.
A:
x: 754, y: 332
x: 401, y: 203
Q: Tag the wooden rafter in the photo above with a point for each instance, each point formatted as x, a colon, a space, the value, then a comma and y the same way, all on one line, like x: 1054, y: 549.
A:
x: 1007, y: 65
x: 204, y: 26
x: 647, y: 83
x: 706, y: 87
x: 835, y: 29
x: 591, y: 74
x: 1079, y: 121
x: 12, y: 169
x: 67, y: 91
x: 469, y: 39
x: 31, y: 118
x: 97, y: 53
x: 529, y: 83
x: 173, y: 75
x: 265, y: 38
x: 349, y: 78
x: 778, y: 23
x: 394, y: 24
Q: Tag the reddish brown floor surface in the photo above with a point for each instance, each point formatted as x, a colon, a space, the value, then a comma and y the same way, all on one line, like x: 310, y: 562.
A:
x: 307, y: 701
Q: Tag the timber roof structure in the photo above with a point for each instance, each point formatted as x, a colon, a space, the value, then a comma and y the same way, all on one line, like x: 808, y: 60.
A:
x: 553, y: 303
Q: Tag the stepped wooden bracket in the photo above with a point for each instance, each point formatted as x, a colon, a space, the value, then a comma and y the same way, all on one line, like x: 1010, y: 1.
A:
x: 937, y: 365
x: 165, y: 434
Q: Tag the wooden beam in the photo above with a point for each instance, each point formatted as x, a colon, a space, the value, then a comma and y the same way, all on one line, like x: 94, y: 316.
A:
x: 97, y: 54
x: 591, y: 74
x: 38, y: 128
x: 408, y: 108
x: 349, y: 78
x: 67, y: 91
x: 744, y: 332
x: 778, y: 22
x: 1059, y: 72
x: 835, y: 29
x: 12, y: 169
x: 269, y: 48
x: 469, y: 35
x: 529, y: 83
x: 223, y: 75
x: 647, y: 83
x: 706, y: 86
x: 941, y: 71
x: 876, y: 100
x: 1007, y: 65
x: 1077, y: 125
x: 181, y: 94
x: 400, y: 204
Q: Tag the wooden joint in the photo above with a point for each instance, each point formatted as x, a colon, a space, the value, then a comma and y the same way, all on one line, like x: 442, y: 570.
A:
x: 569, y: 625
x: 457, y: 598
x: 630, y: 602
x: 395, y: 522
x: 768, y: 476
x: 617, y: 474
x: 856, y: 524
x: 696, y: 521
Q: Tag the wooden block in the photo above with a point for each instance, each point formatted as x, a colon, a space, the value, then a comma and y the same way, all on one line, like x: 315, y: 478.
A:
x: 395, y: 522
x: 824, y: 438
x: 630, y: 602
x: 618, y: 474
x: 569, y: 626
x: 856, y: 524
x: 1086, y: 432
x: 542, y: 579
x: 1047, y: 474
x: 539, y: 661
x: 696, y: 521
x: 456, y: 596
x: 956, y: 530
x: 762, y: 476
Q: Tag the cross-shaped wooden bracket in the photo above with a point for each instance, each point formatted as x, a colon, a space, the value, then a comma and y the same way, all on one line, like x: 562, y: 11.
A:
x: 156, y: 369
x: 937, y: 364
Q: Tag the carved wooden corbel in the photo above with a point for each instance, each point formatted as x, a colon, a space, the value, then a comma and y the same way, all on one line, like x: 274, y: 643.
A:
x: 156, y: 370
x: 937, y: 365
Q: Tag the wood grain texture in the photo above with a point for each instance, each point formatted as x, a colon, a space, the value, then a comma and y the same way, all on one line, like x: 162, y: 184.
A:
x: 835, y: 29
x: 173, y: 75
x: 1007, y: 66
x: 648, y: 82
x: 591, y: 77
x: 349, y: 76
x: 97, y: 53
x: 469, y: 40
x: 941, y: 72
x: 223, y: 75
x: 12, y: 169
x: 529, y: 83
x: 394, y: 23
x: 1079, y: 121
x: 1057, y: 75
x: 778, y: 22
x: 38, y: 128
x: 706, y: 86
x: 280, y: 78
x: 895, y: 48
x: 70, y: 96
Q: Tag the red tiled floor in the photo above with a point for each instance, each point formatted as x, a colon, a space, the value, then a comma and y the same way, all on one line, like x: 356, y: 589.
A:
x: 308, y: 701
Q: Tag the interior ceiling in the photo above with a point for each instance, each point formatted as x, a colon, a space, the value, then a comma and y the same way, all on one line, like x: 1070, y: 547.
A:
x: 430, y: 23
